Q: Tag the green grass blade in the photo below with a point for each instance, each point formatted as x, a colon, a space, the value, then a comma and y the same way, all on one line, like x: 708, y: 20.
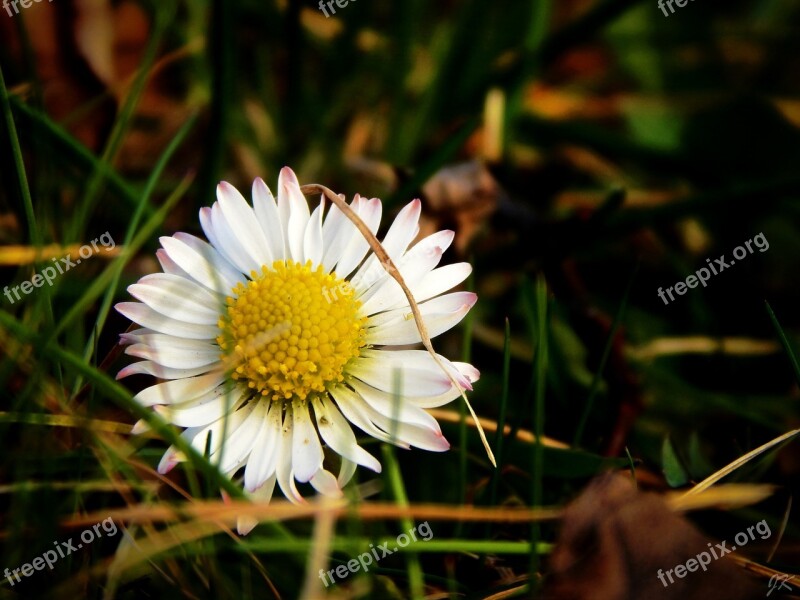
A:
x: 415, y: 575
x: 787, y: 346
x: 604, y: 359
x: 129, y: 234
x: 537, y: 466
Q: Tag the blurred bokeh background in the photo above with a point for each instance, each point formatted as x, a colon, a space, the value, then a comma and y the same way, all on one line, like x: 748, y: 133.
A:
x: 585, y: 152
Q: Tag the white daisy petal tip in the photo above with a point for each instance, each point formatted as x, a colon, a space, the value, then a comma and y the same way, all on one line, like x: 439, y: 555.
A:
x: 326, y: 484
x: 125, y: 372
x: 438, y: 443
x: 169, y: 461
x: 465, y: 383
x: 468, y: 371
x: 470, y: 298
x: 126, y: 339
x: 287, y: 175
x: 245, y: 524
x: 225, y: 189
x: 141, y: 426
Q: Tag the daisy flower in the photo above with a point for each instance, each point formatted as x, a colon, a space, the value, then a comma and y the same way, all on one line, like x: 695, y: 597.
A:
x: 286, y: 329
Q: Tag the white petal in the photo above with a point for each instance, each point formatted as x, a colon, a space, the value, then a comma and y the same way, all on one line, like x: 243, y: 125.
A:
x: 420, y: 360
x: 198, y: 436
x: 400, y: 433
x: 239, y: 442
x: 147, y: 317
x: 169, y: 460
x: 267, y: 215
x: 204, y: 264
x: 170, y: 266
x: 141, y: 426
x: 264, y: 457
x: 213, y: 406
x: 293, y: 208
x: 180, y: 390
x: 437, y: 282
x: 395, y: 407
x: 146, y: 367
x: 466, y: 370
x: 337, y: 231
x: 403, y: 229
x: 422, y: 438
x: 351, y: 407
x: 178, y: 298
x: 241, y: 218
x: 284, y: 469
x: 331, y: 223
x: 346, y: 472
x: 417, y: 262
x: 312, y: 244
x: 431, y: 284
x: 306, y: 450
x: 245, y: 524
x: 386, y: 375
x: 336, y: 432
x: 206, y: 222
x: 389, y: 293
x: 439, y: 315
x: 325, y: 483
x: 175, y: 352
x: 401, y: 233
x: 135, y: 336
x: 354, y: 252
x: 233, y: 245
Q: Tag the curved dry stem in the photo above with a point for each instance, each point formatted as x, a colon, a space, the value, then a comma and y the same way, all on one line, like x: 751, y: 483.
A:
x: 392, y: 270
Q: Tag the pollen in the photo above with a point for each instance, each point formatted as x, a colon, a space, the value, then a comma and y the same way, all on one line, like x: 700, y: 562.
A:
x: 287, y: 333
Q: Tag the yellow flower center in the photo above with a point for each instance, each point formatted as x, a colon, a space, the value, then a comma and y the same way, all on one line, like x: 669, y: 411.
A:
x: 291, y: 330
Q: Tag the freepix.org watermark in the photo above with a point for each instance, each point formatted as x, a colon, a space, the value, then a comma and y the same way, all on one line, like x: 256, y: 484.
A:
x: 702, y: 275
x: 669, y: 3
x: 339, y: 3
x: 63, y: 549
x: 364, y: 559
x: 62, y: 265
x: 702, y: 560
x: 9, y: 4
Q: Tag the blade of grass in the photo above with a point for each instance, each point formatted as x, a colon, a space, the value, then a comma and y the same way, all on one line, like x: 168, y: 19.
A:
x: 499, y: 437
x: 129, y: 234
x: 633, y: 467
x: 787, y: 347
x: 537, y: 466
x: 604, y: 359
x: 27, y: 202
x: 19, y: 165
x: 781, y: 530
x: 63, y: 144
x: 415, y: 575
x: 731, y: 467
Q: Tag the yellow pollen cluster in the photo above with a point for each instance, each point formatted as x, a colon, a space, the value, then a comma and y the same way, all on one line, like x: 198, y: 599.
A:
x: 286, y: 335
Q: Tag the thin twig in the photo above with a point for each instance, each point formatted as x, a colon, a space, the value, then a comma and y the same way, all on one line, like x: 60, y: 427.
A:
x: 392, y: 270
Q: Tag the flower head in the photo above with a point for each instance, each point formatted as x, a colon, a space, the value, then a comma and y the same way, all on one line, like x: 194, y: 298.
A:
x: 286, y: 329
